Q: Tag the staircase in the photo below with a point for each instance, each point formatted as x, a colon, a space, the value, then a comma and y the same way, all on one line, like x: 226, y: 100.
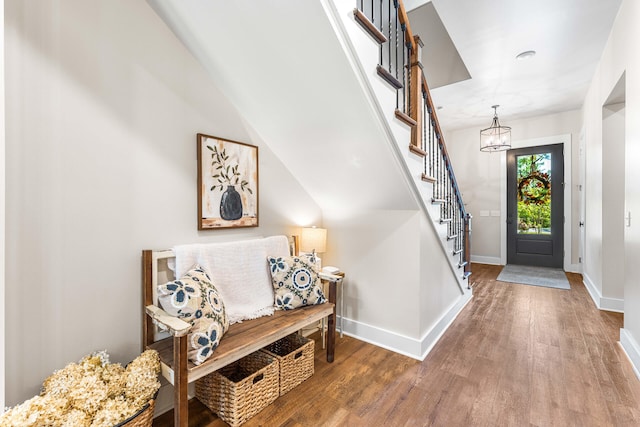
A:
x: 344, y: 113
x: 382, y: 30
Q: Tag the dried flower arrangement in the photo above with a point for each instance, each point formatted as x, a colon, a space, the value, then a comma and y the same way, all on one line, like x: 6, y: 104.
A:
x: 91, y: 393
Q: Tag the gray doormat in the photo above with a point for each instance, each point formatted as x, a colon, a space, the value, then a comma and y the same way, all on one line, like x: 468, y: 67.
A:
x: 536, y: 276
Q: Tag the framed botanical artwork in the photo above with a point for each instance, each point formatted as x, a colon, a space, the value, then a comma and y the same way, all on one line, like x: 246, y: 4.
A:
x: 227, y: 183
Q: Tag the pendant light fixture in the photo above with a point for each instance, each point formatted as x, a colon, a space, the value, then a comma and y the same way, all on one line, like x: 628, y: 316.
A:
x: 495, y: 137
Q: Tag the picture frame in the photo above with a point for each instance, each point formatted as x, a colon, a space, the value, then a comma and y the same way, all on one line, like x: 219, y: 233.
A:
x: 227, y: 183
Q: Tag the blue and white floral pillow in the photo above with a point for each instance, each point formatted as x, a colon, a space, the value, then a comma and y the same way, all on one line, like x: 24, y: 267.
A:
x: 194, y: 299
x: 295, y: 282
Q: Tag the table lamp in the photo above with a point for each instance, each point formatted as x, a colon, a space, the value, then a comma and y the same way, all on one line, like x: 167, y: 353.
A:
x: 314, y: 240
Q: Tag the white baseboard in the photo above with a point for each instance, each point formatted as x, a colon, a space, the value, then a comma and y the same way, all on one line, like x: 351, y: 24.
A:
x: 486, y: 260
x: 631, y: 348
x: 603, y: 303
x: 415, y: 348
x: 382, y: 338
x: 431, y: 338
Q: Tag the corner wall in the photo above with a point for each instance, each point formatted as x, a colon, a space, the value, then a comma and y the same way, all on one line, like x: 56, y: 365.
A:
x: 619, y: 57
x: 103, y: 104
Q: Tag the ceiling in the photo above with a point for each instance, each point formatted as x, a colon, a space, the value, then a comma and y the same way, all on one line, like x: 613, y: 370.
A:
x: 483, y: 37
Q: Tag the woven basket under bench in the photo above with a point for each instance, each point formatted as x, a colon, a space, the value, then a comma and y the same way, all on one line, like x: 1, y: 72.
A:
x: 295, y: 356
x: 240, y: 390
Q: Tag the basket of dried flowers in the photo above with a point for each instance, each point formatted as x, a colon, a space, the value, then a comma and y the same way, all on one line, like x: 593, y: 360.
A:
x: 93, y: 393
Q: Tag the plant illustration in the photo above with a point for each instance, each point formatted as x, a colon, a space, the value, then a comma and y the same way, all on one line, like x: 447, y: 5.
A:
x: 225, y: 173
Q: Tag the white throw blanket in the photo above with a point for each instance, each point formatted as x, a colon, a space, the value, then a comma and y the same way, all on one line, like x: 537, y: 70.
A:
x: 239, y: 270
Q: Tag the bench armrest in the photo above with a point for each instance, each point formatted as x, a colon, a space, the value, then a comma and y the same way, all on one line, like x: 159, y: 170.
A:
x: 176, y: 327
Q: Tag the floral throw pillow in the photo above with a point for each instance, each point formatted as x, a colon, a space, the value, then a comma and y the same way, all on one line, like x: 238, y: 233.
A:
x: 194, y: 299
x: 295, y: 282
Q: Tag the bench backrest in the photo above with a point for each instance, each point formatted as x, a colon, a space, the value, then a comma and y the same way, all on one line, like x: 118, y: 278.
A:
x: 161, y: 267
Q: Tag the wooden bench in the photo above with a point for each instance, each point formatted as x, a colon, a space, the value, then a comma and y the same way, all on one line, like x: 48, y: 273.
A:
x: 240, y: 340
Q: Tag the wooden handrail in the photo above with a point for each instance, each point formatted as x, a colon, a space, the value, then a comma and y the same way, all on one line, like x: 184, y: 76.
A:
x: 443, y: 146
x: 404, y: 20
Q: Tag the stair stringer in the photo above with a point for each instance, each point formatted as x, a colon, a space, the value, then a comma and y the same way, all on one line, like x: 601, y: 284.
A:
x: 382, y: 100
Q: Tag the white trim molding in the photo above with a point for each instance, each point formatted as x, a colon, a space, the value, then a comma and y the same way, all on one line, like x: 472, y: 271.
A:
x: 493, y: 260
x: 632, y: 350
x: 602, y: 303
x: 431, y: 338
x: 411, y: 347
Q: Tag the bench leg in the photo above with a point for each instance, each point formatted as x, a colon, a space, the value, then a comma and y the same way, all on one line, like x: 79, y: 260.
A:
x: 331, y: 324
x: 180, y: 384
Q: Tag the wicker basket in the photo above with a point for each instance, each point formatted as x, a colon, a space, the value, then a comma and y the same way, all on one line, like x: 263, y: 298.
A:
x: 295, y: 354
x: 241, y: 389
x: 142, y: 418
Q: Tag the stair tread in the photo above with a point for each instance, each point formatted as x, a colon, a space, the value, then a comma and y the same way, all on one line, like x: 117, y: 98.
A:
x: 388, y: 77
x: 369, y: 27
x: 403, y: 117
x: 416, y: 150
x: 428, y: 178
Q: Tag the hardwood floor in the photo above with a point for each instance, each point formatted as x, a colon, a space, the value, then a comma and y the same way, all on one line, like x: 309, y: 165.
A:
x: 517, y: 355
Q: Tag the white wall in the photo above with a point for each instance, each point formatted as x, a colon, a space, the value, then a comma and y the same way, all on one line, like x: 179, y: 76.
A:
x: 399, y: 290
x: 103, y: 104
x: 383, y: 258
x: 613, y: 124
x: 619, y: 57
x: 2, y: 210
x: 479, y: 176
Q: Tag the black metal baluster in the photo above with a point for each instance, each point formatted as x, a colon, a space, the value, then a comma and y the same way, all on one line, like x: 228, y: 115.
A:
x: 436, y: 170
x: 431, y: 148
x: 445, y: 178
x: 395, y: 53
x: 397, y: 41
x: 448, y: 176
x: 373, y: 13
x: 458, y: 225
x: 381, y: 30
x: 406, y: 66
x: 389, y: 34
x: 425, y: 146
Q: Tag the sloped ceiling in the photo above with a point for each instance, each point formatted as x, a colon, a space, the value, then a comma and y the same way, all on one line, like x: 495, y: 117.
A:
x: 285, y: 71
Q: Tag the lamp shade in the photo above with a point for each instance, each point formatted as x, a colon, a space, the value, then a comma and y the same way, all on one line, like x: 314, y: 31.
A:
x: 313, y: 239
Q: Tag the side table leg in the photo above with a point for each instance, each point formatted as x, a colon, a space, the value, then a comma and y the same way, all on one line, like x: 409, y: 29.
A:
x: 341, y: 307
x: 331, y: 327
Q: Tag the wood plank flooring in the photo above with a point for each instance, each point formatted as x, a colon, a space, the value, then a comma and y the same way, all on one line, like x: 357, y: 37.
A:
x: 516, y: 356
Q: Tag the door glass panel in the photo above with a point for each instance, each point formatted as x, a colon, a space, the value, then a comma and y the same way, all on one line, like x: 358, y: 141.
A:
x: 534, y: 194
